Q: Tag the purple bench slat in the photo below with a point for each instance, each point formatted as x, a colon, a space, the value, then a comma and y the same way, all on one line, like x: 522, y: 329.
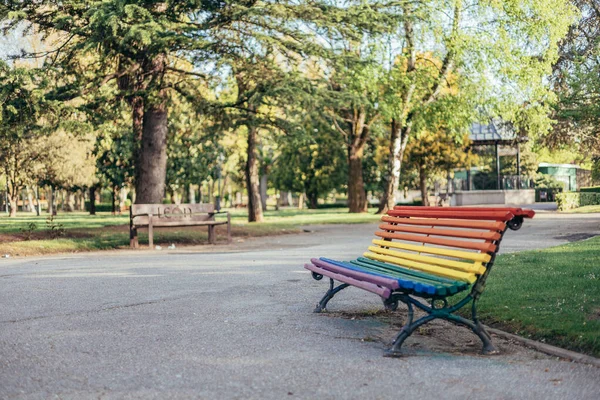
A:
x: 361, y: 276
x: 370, y: 287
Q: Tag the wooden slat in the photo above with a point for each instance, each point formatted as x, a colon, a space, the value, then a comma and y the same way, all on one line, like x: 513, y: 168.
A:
x: 463, y: 244
x: 453, y: 223
x: 475, y: 268
x: 517, y: 211
x: 445, y: 272
x: 442, y: 232
x: 465, y: 255
x: 171, y: 209
x: 381, y: 291
x: 140, y: 221
x: 489, y: 215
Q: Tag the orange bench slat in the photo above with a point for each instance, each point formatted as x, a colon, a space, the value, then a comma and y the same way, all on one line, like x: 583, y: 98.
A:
x: 453, y: 223
x: 463, y: 244
x: 486, y: 215
x: 442, y: 232
x: 517, y: 211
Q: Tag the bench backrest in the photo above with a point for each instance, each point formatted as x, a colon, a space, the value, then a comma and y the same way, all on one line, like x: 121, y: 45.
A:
x: 449, y: 243
x: 166, y: 212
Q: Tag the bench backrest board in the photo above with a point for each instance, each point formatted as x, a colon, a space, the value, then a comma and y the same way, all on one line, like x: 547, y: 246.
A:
x: 171, y: 212
x: 448, y: 243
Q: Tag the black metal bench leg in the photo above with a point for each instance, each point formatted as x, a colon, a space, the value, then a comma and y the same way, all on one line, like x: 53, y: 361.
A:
x: 406, y: 331
x: 329, y: 295
x: 488, y: 346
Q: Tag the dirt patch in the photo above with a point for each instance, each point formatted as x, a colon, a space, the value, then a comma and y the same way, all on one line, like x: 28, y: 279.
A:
x: 436, y: 337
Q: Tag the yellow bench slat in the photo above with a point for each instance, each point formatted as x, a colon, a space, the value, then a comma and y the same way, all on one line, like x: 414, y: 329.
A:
x: 475, y: 268
x: 466, y: 255
x: 440, y: 271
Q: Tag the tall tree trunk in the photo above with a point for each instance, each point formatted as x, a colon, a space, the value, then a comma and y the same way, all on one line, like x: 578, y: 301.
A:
x: 423, y: 185
x: 13, y: 200
x: 30, y: 205
x: 93, y: 200
x: 191, y: 194
x: 263, y: 191
x: 51, y: 200
x: 313, y: 200
x: 357, y: 197
x: 114, y: 200
x: 152, y: 162
x: 398, y: 141
x: 255, y: 213
x: 300, y: 201
x: 38, y: 207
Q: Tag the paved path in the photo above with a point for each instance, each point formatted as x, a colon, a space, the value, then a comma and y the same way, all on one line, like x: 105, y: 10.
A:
x: 197, y: 324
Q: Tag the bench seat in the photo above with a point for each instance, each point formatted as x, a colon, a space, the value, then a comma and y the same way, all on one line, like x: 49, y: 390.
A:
x: 398, y: 278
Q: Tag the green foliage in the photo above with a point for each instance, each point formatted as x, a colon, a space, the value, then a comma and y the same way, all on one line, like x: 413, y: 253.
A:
x: 313, y: 163
x: 591, y: 189
x: 55, y: 229
x: 570, y: 200
x: 28, y: 231
x: 545, y: 181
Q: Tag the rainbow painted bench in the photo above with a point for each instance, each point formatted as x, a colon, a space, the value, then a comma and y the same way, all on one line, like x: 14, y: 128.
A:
x: 420, y: 257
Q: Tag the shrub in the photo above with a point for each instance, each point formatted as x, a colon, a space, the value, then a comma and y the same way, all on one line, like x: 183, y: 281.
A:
x: 591, y: 189
x: 570, y: 200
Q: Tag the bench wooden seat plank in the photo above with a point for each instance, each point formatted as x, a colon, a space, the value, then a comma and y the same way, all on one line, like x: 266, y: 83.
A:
x: 432, y: 269
x: 517, y: 211
x: 479, y: 215
x: 423, y: 285
x: 473, y: 268
x: 461, y: 255
x: 487, y: 235
x: 453, y: 223
x: 370, y: 287
x: 408, y: 271
x: 416, y: 255
x: 464, y: 244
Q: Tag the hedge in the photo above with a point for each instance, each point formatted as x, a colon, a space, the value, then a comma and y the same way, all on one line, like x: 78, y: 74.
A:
x: 570, y: 200
x: 591, y: 189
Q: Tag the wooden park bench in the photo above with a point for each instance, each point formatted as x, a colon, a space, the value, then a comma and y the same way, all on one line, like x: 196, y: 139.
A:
x: 420, y: 257
x: 170, y: 215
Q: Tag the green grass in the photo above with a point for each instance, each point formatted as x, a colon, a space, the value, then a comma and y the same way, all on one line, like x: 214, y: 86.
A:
x: 585, y: 209
x: 73, y: 220
x: 84, y: 232
x: 552, y: 295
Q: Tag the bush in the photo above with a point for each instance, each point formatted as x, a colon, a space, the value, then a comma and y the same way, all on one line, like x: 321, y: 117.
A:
x: 100, y: 207
x: 591, y: 189
x: 570, y: 200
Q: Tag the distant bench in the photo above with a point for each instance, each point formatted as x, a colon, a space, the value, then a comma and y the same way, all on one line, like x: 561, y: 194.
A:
x: 170, y: 215
x: 421, y: 257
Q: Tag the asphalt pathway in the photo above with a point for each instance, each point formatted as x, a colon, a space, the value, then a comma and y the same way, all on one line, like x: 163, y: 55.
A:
x: 228, y: 322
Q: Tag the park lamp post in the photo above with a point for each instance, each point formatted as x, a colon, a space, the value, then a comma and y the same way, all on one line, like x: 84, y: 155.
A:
x: 221, y: 159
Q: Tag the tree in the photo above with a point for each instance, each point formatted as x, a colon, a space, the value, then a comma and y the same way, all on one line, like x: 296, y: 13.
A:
x: 515, y: 42
x: 311, y: 162
x: 354, y: 107
x: 24, y: 114
x: 436, y: 153
x: 147, y: 48
x: 575, y: 80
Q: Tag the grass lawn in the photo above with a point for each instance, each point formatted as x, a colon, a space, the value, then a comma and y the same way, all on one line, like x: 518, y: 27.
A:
x: 552, y: 295
x: 585, y: 209
x: 84, y: 232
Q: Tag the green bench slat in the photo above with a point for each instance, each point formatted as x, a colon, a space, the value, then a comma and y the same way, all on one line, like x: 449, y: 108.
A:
x: 444, y: 287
